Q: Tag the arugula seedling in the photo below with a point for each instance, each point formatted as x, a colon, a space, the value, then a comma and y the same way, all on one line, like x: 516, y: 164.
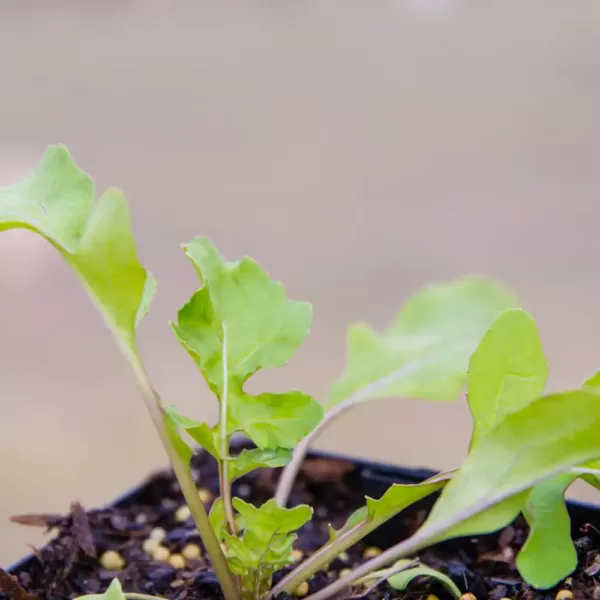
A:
x: 525, y: 450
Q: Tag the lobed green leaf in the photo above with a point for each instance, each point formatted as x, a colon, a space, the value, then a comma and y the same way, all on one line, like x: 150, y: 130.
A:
x: 238, y: 323
x: 426, y: 350
x: 271, y: 518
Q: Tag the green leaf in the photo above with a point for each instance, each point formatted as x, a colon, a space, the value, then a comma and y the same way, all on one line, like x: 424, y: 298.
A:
x: 400, y: 575
x: 217, y: 518
x: 507, y: 371
x: 201, y: 433
x: 238, y: 323
x: 401, y: 580
x: 266, y: 544
x: 546, y: 438
x: 357, y: 517
x: 548, y: 555
x: 274, y: 420
x: 425, y: 352
x: 248, y: 460
x: 395, y: 499
x: 398, y: 497
x: 184, y: 452
x: 270, y: 518
x: 114, y: 592
x: 57, y: 202
x: 593, y: 381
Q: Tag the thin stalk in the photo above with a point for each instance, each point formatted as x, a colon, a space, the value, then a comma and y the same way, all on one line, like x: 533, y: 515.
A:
x: 427, y: 535
x: 187, y: 484
x: 389, y: 573
x: 319, y: 559
x: 224, y: 481
x: 290, y: 472
x: 329, y: 551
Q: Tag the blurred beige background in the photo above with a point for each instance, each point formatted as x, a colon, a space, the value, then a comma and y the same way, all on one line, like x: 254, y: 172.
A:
x: 357, y: 150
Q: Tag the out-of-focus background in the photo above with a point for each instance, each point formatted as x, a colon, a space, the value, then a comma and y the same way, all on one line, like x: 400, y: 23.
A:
x: 356, y: 149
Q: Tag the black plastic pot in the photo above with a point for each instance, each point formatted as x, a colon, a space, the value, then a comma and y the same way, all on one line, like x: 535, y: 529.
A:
x: 373, y: 479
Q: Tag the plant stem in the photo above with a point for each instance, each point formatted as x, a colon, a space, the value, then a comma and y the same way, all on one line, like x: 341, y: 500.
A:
x: 321, y: 557
x: 329, y: 551
x: 290, y: 472
x: 186, y: 483
x: 224, y: 481
x: 370, y: 390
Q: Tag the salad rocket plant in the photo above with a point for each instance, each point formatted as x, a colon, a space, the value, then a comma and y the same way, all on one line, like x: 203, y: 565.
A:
x: 526, y: 448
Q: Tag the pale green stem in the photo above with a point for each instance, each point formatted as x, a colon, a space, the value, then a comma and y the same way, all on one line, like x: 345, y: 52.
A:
x: 427, y: 535
x: 329, y: 551
x: 224, y: 481
x: 370, y: 390
x: 186, y: 483
x: 290, y: 472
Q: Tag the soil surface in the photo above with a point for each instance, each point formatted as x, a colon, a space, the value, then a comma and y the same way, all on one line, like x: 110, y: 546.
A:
x: 70, y: 564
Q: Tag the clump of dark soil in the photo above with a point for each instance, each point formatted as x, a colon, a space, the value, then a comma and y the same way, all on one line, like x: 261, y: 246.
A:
x: 70, y: 565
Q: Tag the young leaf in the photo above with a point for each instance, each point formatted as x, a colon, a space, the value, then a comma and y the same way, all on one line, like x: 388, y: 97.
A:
x: 425, y: 352
x: 546, y: 438
x: 270, y: 518
x: 57, y: 202
x: 548, y: 555
x: 113, y: 592
x: 401, y: 580
x: 217, y: 518
x: 274, y: 420
x: 239, y: 322
x: 593, y: 381
x: 400, y: 575
x: 201, y: 433
x: 266, y: 544
x: 507, y: 371
x: 398, y: 497
x: 248, y: 460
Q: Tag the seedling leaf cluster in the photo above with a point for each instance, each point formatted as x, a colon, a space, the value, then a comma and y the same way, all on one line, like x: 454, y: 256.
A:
x: 526, y: 448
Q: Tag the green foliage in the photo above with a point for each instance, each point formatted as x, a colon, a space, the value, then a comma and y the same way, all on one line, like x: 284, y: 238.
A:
x: 426, y: 350
x: 265, y: 545
x: 248, y: 460
x: 549, y: 436
x: 525, y: 450
x: 506, y: 372
x: 548, y: 555
x: 115, y: 592
x: 57, y: 202
x: 404, y: 571
x: 237, y: 323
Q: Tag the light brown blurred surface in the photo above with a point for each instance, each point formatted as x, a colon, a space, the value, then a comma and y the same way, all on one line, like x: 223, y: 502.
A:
x: 357, y: 150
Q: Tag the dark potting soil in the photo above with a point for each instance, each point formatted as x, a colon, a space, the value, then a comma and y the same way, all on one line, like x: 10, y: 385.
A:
x: 69, y: 565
